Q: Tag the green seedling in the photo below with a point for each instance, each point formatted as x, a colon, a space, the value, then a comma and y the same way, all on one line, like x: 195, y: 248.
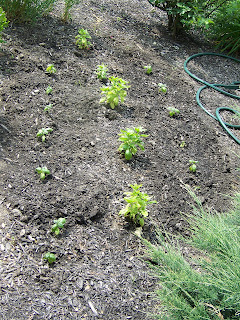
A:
x: 42, y: 171
x: 114, y: 92
x: 43, y: 132
x: 48, y: 107
x: 183, y: 144
x: 102, y: 72
x: 81, y: 39
x: 58, y: 224
x: 137, y: 202
x: 50, y: 257
x: 148, y: 69
x: 51, y: 69
x: 173, y: 111
x: 162, y: 87
x: 193, y: 167
x: 49, y: 90
x: 131, y: 139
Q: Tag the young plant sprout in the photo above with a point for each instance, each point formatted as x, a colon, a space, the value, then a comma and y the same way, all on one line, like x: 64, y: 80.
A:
x: 43, y: 132
x: 183, y: 144
x: 193, y: 167
x: 173, y: 111
x: 48, y: 107
x: 81, y: 39
x: 102, y: 72
x: 148, y: 69
x: 42, y: 171
x: 137, y: 202
x: 49, y: 90
x: 114, y: 92
x: 58, y: 224
x: 51, y: 69
x: 50, y: 257
x: 131, y: 139
x: 162, y: 87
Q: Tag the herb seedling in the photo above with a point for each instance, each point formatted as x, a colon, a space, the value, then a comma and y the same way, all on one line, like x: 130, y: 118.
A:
x: 183, y: 144
x: 58, y: 224
x: 81, y: 39
x: 48, y: 107
x: 43, y: 171
x: 131, y: 139
x: 162, y: 87
x: 173, y: 111
x: 102, y: 72
x: 50, y: 257
x: 137, y: 202
x: 193, y: 167
x: 43, y: 132
x: 114, y: 92
x: 51, y: 69
x: 148, y: 69
x: 49, y: 90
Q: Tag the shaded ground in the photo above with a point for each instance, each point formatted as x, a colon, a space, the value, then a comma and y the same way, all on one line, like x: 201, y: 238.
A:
x: 98, y: 272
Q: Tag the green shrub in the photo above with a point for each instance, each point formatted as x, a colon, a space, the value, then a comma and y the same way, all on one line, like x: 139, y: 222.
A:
x: 3, y: 22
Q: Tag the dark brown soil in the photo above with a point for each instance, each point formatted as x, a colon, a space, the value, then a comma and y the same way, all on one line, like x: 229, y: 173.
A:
x: 99, y: 272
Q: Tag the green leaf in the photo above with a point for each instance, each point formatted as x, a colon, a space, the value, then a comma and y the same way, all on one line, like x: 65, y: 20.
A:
x: 128, y: 154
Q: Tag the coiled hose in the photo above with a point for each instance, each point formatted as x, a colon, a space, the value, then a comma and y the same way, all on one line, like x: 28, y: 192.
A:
x: 217, y: 87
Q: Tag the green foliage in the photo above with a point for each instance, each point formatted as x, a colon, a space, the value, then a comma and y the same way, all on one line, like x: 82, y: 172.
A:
x: 131, y: 139
x: 48, y: 107
x: 42, y: 171
x: 173, y: 111
x: 162, y: 87
x: 81, y: 39
x: 193, y: 167
x: 212, y: 290
x: 50, y: 257
x: 26, y: 10
x: 183, y: 144
x: 43, y: 132
x: 137, y: 202
x: 58, y: 224
x: 3, y: 22
x: 102, y: 72
x: 114, y: 92
x: 51, y: 69
x: 68, y: 4
x: 148, y: 69
x: 49, y: 90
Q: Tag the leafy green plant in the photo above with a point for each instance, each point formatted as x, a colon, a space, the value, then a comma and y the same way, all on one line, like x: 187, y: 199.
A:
x: 42, y: 171
x: 162, y: 87
x: 48, y: 107
x: 51, y: 69
x: 49, y: 90
x: 81, y: 39
x: 193, y: 167
x: 131, y: 139
x: 3, y: 22
x: 183, y: 144
x: 173, y: 111
x: 137, y: 202
x: 102, y: 72
x: 148, y: 69
x: 68, y: 4
x: 114, y: 92
x: 58, y: 224
x: 50, y: 257
x: 43, y: 132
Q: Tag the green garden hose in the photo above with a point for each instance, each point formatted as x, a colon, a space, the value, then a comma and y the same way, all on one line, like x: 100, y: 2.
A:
x: 217, y: 87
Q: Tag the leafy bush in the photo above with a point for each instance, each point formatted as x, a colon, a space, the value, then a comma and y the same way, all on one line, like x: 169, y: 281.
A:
x: 3, y: 22
x: 26, y: 10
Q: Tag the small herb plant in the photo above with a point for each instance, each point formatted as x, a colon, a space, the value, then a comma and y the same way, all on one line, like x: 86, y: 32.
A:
x: 102, y: 72
x: 148, y: 69
x: 193, y: 167
x: 42, y: 171
x: 81, y: 39
x: 173, y: 111
x: 50, y: 257
x: 183, y: 144
x: 43, y: 132
x: 58, y: 224
x: 131, y: 139
x: 162, y: 87
x: 48, y: 107
x: 137, y: 202
x: 49, y: 90
x: 51, y: 69
x: 114, y: 92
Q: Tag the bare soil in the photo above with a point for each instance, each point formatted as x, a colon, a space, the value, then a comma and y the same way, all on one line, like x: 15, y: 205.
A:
x: 99, y: 272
